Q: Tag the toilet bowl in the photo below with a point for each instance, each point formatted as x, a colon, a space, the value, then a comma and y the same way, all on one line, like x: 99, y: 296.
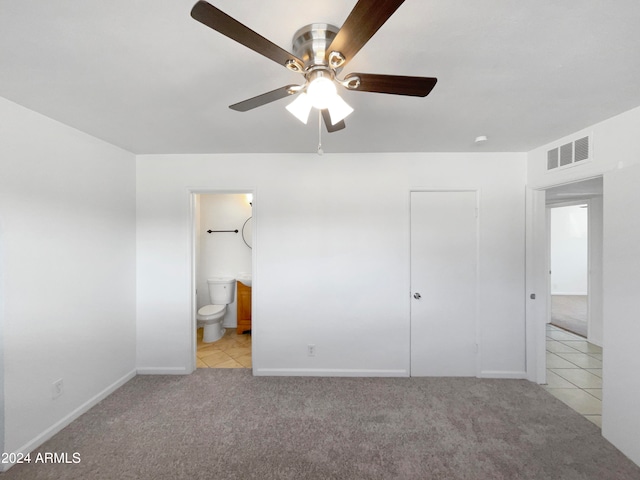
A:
x: 221, y: 294
x: 210, y: 317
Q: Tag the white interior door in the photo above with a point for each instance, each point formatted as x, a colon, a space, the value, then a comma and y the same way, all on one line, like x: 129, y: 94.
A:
x: 537, y: 284
x: 444, y: 230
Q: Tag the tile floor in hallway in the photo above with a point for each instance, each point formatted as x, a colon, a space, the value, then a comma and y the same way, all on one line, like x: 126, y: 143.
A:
x: 574, y: 372
x: 231, y: 351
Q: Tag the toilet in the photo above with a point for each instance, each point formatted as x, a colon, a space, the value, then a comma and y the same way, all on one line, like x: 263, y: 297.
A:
x: 221, y: 293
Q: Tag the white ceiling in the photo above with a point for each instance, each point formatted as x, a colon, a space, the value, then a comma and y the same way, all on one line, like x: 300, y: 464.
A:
x: 145, y: 76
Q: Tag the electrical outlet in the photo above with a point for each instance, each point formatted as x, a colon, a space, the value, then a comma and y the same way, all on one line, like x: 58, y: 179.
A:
x: 311, y: 350
x: 57, y: 388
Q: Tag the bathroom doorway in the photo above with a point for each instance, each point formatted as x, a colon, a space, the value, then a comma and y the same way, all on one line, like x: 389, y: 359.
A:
x: 223, y: 237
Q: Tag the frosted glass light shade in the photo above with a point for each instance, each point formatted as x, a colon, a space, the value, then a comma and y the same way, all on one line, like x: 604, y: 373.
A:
x: 338, y: 109
x: 321, y: 92
x: 301, y: 107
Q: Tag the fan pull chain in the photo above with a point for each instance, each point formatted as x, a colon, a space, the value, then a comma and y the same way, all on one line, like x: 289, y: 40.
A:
x: 320, y: 151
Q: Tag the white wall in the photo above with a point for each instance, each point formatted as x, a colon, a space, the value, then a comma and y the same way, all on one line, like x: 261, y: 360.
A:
x: 569, y: 250
x: 621, y: 395
x: 331, y: 257
x: 67, y: 240
x: 616, y: 152
x: 222, y: 254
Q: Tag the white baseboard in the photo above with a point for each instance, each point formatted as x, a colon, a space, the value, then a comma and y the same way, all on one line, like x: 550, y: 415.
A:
x: 328, y: 372
x: 515, y: 375
x: 65, y: 421
x: 162, y: 371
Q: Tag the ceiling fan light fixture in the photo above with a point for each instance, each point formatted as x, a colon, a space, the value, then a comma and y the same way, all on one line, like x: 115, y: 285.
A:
x: 338, y: 109
x: 321, y: 92
x: 300, y: 107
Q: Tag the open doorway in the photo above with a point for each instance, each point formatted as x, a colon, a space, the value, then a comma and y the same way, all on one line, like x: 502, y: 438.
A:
x: 569, y: 267
x: 222, y: 273
x: 574, y: 262
x: 574, y: 319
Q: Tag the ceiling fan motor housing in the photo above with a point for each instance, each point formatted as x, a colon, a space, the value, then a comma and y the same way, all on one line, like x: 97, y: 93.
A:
x: 310, y: 44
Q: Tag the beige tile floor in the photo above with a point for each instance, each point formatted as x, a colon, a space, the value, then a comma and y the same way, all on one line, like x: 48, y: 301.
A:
x: 231, y: 351
x: 574, y: 372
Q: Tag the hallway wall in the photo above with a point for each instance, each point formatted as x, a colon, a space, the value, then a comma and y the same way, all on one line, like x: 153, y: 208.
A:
x: 569, y: 250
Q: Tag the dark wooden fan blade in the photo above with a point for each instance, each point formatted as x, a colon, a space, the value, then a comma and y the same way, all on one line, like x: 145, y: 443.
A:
x: 214, y: 18
x: 362, y: 23
x: 393, y: 84
x: 327, y: 122
x: 263, y: 99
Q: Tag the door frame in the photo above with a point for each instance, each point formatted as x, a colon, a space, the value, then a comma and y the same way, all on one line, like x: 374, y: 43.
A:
x: 192, y: 192
x: 537, y: 278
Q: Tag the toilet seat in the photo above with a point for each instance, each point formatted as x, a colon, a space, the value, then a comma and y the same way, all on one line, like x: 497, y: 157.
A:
x: 211, y: 314
x: 208, y: 310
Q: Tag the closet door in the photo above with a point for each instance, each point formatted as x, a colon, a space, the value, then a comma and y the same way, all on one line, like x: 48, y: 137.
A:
x: 444, y: 239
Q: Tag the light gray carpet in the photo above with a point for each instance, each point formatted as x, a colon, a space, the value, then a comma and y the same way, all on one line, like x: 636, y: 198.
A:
x: 570, y: 312
x: 226, y: 424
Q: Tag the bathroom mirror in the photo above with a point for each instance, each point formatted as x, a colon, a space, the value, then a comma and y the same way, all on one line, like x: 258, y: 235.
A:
x: 247, y: 232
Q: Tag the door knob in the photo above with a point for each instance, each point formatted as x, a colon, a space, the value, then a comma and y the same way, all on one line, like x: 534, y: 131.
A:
x: 417, y: 296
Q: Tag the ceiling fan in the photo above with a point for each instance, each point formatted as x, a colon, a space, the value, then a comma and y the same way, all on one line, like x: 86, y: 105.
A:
x: 320, y: 52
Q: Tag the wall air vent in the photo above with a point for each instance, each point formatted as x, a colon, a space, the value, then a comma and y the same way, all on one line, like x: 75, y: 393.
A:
x: 569, y: 154
x: 581, y: 149
x: 552, y: 159
x: 566, y: 154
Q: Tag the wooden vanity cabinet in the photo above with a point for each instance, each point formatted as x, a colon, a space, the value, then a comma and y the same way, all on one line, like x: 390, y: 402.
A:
x: 244, y: 308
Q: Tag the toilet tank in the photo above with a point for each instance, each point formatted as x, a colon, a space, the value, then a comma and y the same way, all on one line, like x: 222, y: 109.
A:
x: 221, y: 290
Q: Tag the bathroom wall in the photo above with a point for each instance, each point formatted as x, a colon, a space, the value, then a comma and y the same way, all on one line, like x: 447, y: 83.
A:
x: 221, y: 254
x: 331, y: 257
x: 67, y: 235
